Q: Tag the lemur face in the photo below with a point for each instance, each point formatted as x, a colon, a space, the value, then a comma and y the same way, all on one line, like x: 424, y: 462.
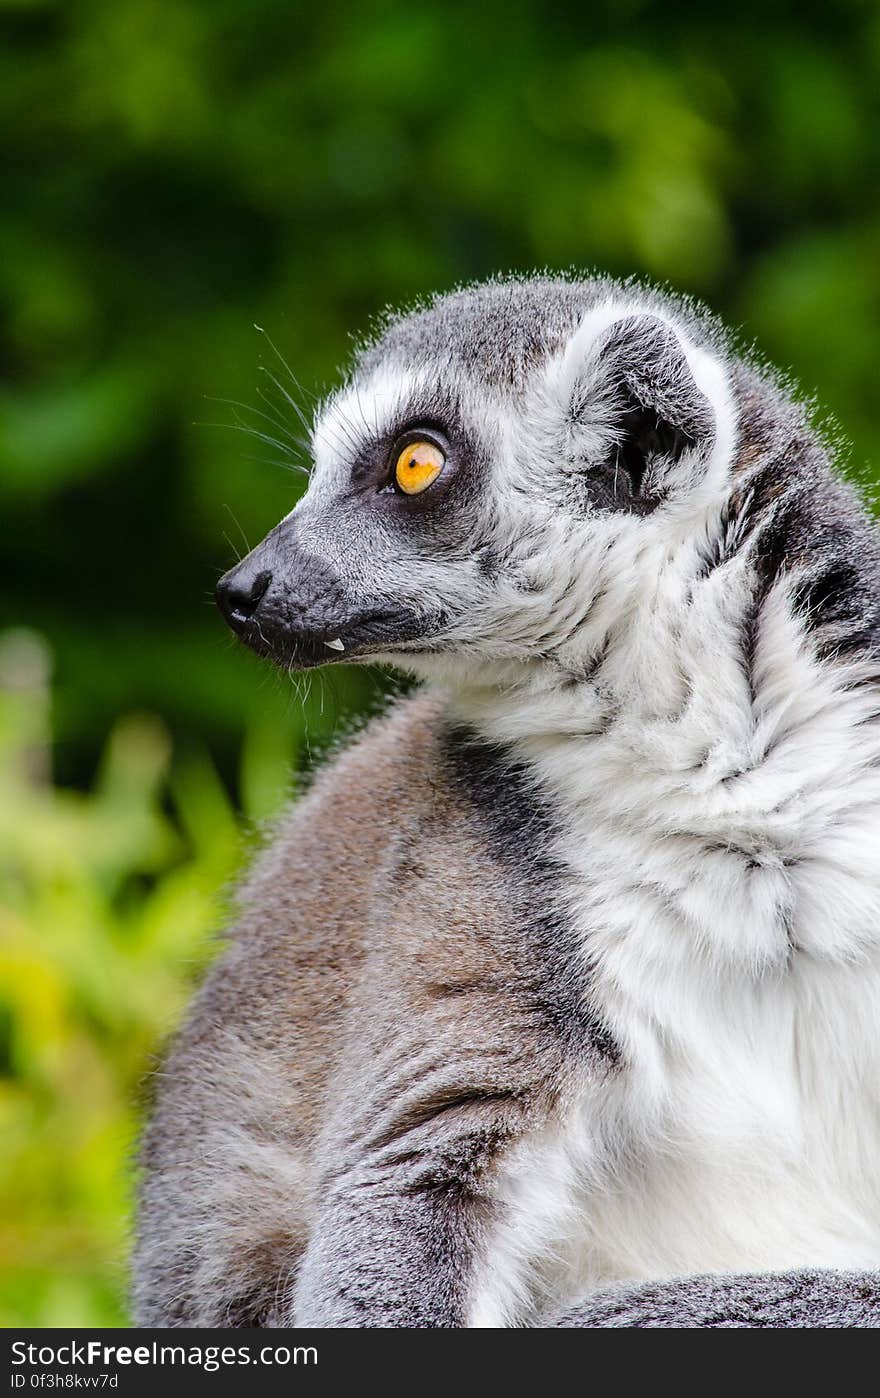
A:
x: 491, y: 466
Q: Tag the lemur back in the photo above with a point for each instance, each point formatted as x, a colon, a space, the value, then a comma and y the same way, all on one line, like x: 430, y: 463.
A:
x: 566, y: 974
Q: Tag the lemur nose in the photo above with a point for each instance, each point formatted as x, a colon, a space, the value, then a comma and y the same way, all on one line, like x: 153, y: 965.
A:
x: 240, y: 592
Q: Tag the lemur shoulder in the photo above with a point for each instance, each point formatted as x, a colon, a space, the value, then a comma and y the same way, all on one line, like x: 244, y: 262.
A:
x: 556, y: 1001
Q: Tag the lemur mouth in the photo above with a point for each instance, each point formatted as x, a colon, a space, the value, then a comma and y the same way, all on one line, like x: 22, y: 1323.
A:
x: 295, y: 646
x: 353, y: 639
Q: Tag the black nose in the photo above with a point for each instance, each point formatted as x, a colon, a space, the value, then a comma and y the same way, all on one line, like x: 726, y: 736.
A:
x: 240, y: 592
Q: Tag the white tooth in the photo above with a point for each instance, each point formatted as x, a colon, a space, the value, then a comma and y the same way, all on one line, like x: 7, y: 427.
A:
x: 334, y: 645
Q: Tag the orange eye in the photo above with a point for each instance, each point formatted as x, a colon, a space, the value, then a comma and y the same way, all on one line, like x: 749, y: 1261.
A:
x: 418, y: 466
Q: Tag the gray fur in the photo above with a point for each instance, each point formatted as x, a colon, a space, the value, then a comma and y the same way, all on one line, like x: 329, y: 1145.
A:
x: 786, y: 1301
x: 355, y: 1062
x: 498, y: 331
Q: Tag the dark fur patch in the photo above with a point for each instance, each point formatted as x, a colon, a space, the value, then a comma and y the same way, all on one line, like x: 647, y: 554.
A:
x: 660, y: 414
x: 801, y: 524
x: 520, y: 830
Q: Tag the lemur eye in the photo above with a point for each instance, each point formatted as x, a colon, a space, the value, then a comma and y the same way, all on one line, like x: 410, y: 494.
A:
x: 418, y: 466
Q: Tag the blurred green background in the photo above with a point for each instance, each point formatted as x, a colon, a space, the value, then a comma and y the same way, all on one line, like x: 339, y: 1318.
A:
x: 175, y: 171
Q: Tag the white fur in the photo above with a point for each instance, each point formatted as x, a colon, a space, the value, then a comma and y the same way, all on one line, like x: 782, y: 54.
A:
x: 744, y: 1132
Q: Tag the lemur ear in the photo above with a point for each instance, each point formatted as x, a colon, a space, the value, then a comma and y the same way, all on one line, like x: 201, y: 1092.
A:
x: 646, y: 412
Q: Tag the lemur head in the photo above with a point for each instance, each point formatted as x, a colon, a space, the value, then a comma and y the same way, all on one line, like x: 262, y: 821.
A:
x: 500, y: 474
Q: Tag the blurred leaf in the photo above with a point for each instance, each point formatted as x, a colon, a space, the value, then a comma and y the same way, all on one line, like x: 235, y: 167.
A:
x: 61, y: 433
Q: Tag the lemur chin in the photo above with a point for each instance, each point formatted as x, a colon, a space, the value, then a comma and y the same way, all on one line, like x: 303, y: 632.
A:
x: 555, y: 1002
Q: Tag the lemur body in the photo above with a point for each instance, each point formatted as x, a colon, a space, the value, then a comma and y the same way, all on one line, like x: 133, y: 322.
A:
x: 566, y: 975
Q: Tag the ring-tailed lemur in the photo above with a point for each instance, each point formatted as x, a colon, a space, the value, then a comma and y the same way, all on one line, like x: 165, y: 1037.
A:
x: 564, y: 980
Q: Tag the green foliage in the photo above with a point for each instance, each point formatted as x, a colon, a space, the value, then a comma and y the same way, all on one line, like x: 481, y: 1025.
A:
x: 177, y: 170
x: 105, y: 904
x: 108, y: 899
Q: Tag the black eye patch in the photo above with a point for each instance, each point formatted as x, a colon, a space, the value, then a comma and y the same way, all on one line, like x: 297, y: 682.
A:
x: 434, y: 418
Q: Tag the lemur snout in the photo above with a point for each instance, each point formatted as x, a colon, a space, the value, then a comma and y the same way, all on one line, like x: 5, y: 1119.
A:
x: 282, y: 600
x: 291, y: 603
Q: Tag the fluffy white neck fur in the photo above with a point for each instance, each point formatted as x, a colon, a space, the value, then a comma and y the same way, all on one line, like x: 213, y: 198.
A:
x: 761, y: 782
